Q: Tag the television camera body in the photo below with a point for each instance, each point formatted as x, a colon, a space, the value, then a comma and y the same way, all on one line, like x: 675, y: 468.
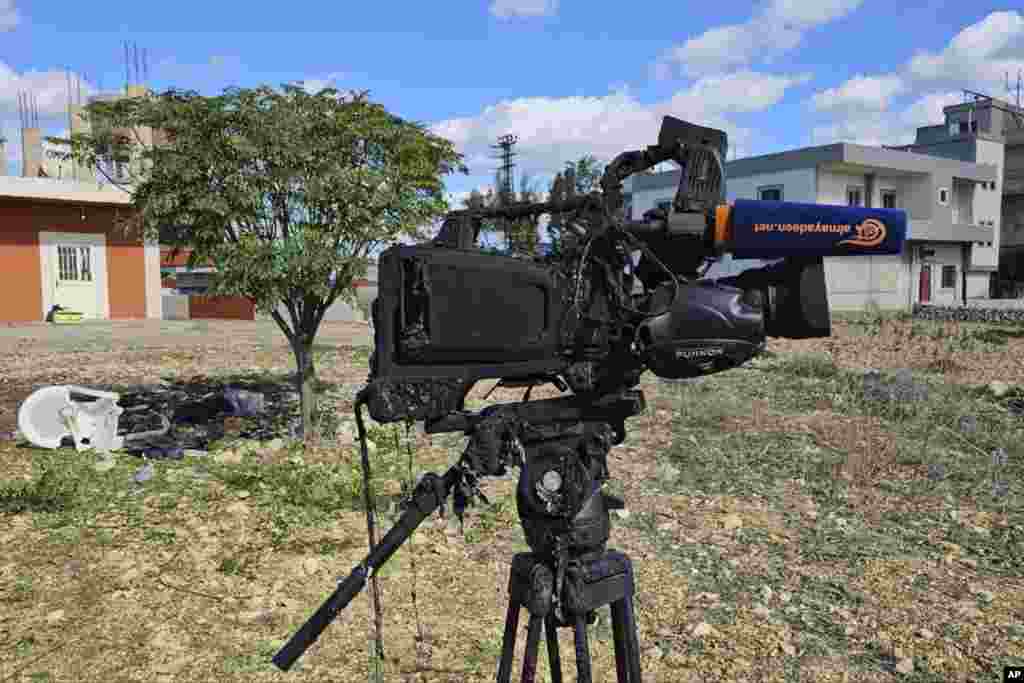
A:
x: 591, y: 321
x: 449, y: 314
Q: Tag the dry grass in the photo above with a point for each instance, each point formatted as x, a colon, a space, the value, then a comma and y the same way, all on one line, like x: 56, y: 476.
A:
x: 783, y: 527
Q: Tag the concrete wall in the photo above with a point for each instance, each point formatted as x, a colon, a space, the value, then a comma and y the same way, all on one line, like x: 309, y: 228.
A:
x: 855, y: 282
x: 798, y: 185
x: 21, y: 221
x: 945, y: 255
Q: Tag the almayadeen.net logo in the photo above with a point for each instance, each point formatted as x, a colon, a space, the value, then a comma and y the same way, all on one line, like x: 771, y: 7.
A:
x: 869, y: 233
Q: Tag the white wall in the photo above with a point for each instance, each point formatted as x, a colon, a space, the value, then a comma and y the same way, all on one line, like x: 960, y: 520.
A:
x: 988, y: 203
x: 854, y: 281
x: 945, y: 255
x: 798, y: 185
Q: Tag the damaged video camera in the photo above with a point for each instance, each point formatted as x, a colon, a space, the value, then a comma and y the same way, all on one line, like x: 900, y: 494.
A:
x: 595, y: 318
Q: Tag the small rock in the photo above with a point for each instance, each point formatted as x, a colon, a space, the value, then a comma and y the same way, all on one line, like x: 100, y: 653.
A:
x: 104, y: 464
x: 623, y: 513
x: 905, y: 666
x: 999, y: 389
x: 259, y: 616
x: 144, y: 473
x: 925, y: 633
x: 243, y: 494
x: 732, y: 521
x: 311, y: 565
x: 703, y: 629
x: 653, y: 653
x: 762, y: 611
x: 788, y: 649
x: 55, y: 616
x: 230, y: 457
x: 238, y: 508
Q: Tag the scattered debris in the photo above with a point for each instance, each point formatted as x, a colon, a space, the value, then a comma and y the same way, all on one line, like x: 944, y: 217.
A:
x: 165, y: 421
x: 144, y: 473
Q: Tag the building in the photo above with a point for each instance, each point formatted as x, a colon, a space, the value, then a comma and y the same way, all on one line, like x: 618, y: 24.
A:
x: 953, y: 208
x: 61, y: 243
x: 986, y: 130
x: 181, y: 283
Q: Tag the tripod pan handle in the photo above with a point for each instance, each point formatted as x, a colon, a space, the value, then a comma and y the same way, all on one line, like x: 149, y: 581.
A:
x: 328, y: 611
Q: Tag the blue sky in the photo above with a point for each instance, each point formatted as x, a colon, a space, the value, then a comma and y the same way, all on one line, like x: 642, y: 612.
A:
x: 567, y: 76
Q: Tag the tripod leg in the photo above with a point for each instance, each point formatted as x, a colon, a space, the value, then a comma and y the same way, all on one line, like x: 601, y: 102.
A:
x: 508, y: 644
x: 532, y: 643
x: 621, y: 645
x: 627, y: 647
x: 554, y: 660
x: 582, y: 651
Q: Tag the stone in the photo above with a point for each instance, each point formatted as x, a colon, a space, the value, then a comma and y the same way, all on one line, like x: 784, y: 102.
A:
x: 144, y: 473
x: 104, y: 464
x: 311, y: 565
x: 905, y: 666
x: 703, y: 629
x: 999, y: 388
x: 732, y: 521
x: 55, y: 616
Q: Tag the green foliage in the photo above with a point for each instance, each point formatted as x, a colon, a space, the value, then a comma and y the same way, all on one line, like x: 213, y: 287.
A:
x: 52, y: 491
x: 286, y: 193
x: 580, y: 177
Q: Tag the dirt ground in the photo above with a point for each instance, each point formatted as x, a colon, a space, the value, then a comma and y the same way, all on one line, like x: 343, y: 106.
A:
x: 139, y: 351
x: 743, y: 574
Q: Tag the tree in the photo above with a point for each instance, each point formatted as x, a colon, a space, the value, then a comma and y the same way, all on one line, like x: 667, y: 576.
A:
x: 580, y: 177
x: 286, y: 193
x: 520, y: 235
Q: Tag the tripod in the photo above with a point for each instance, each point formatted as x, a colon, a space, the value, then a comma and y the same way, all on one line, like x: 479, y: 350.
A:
x: 570, y: 573
x: 561, y: 448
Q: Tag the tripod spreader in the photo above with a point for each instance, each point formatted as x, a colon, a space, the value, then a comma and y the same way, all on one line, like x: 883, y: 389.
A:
x: 429, y: 494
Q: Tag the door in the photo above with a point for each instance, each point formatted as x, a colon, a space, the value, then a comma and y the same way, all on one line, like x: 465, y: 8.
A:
x: 925, y: 287
x: 75, y: 286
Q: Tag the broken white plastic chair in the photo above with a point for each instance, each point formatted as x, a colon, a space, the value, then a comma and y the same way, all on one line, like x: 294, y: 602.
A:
x: 49, y: 415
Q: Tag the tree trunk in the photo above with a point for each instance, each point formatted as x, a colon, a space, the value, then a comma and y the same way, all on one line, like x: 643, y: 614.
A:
x: 305, y: 382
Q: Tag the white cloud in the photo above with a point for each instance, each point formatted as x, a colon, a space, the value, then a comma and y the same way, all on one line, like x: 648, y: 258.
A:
x: 860, y: 93
x: 884, y: 127
x: 315, y: 85
x: 978, y: 58
x: 778, y: 28
x: 9, y: 17
x: 505, y: 9
x: 49, y: 89
x: 553, y: 130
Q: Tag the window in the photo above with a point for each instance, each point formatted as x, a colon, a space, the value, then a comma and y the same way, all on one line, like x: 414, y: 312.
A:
x: 948, y: 277
x: 888, y: 199
x: 73, y: 264
x: 772, y: 193
x: 943, y: 196
x: 855, y: 196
